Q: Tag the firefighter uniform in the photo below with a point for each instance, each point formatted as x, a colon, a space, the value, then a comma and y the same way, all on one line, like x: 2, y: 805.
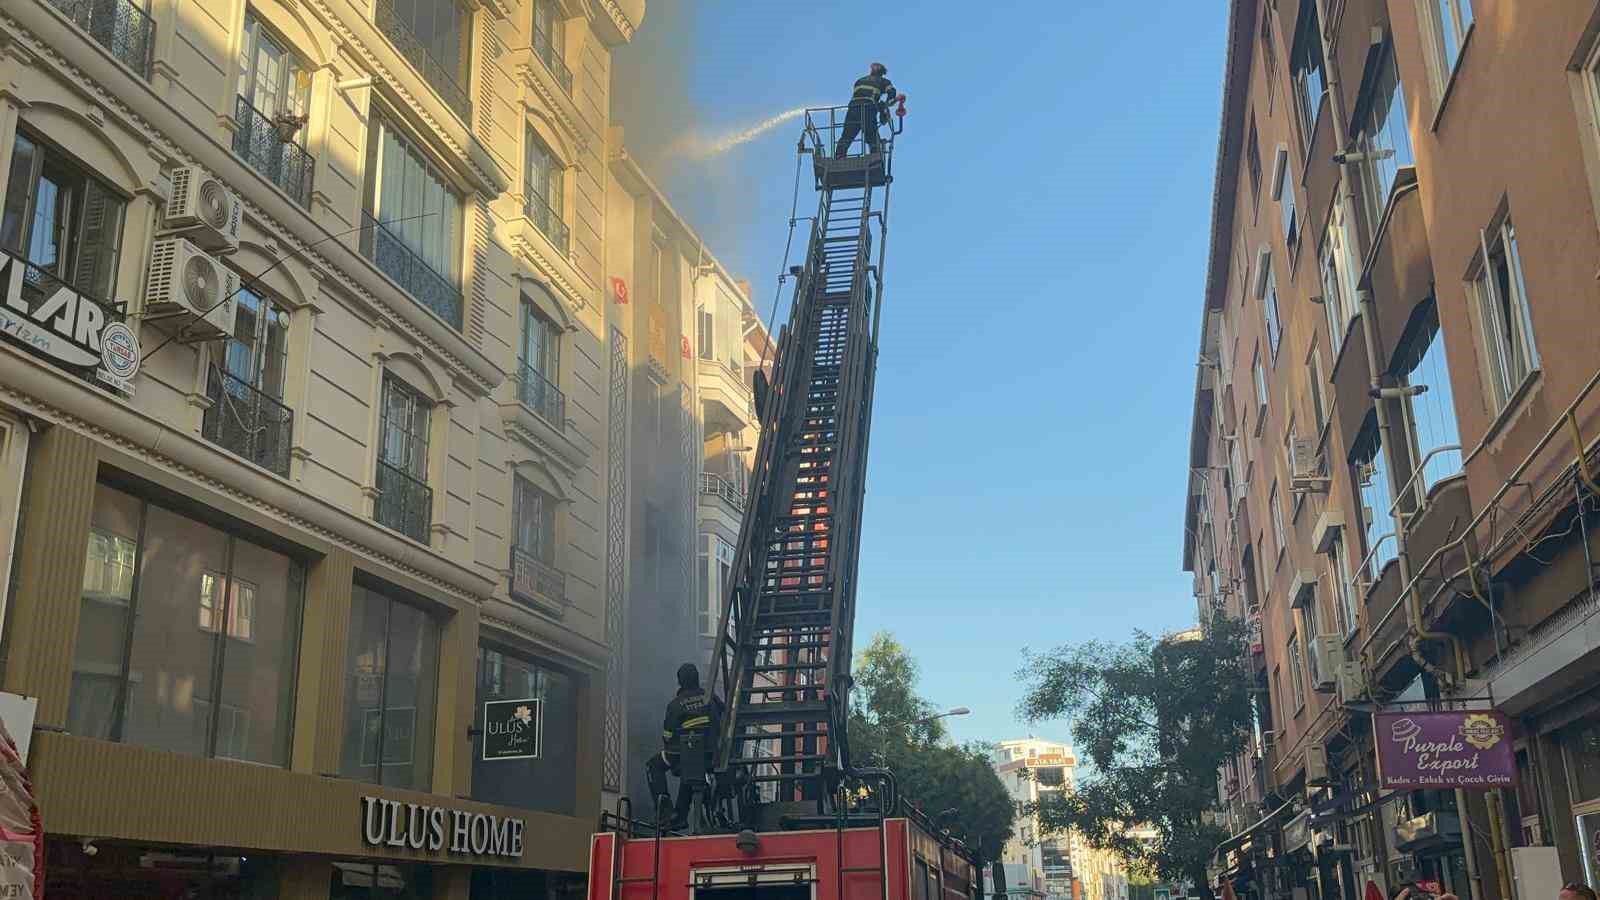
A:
x: 692, y: 711
x: 861, y: 117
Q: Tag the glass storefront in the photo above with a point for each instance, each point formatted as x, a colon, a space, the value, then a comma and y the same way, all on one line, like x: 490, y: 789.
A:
x: 187, y: 635
x: 391, y: 684
x: 542, y: 775
x: 132, y: 872
x: 391, y: 881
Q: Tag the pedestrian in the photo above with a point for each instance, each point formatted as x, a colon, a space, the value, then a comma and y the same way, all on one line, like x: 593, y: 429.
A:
x: 1576, y: 890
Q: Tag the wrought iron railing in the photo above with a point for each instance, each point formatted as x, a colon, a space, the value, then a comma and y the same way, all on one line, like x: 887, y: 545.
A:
x: 547, y: 220
x: 284, y: 163
x: 117, y: 25
x: 716, y: 486
x: 404, y: 502
x: 247, y: 422
x: 540, y: 394
x: 421, y: 58
x: 389, y: 253
x: 537, y: 583
x: 545, y: 49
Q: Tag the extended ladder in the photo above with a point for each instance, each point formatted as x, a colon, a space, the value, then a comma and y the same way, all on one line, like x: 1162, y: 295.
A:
x: 782, y: 662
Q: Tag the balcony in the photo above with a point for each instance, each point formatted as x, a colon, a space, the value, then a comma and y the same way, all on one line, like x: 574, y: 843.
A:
x: 542, y: 396
x: 436, y: 73
x: 285, y: 163
x: 247, y: 422
x: 547, y: 220
x: 728, y: 404
x: 537, y: 584
x: 425, y: 285
x: 723, y: 489
x: 404, y: 503
x: 117, y: 25
x: 545, y: 49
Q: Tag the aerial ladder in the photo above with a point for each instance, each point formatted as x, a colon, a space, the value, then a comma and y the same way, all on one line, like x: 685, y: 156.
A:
x: 787, y: 814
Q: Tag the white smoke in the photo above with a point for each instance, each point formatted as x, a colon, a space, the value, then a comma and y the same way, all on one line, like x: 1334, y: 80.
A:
x: 701, y: 147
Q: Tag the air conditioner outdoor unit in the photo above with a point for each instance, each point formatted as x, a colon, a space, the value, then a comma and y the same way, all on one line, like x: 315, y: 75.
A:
x: 189, y: 285
x: 1307, y: 474
x: 204, y: 210
x: 1351, y: 686
x: 1317, y: 764
x: 1327, y: 653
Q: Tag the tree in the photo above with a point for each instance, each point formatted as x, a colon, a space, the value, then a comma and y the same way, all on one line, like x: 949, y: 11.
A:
x: 890, y: 726
x: 1155, y: 719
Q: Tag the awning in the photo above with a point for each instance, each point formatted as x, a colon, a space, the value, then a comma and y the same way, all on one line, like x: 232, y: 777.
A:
x: 1242, y: 836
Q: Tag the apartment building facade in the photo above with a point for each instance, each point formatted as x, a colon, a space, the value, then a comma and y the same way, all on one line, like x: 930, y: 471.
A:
x: 1391, y: 464
x: 1058, y: 865
x: 309, y: 419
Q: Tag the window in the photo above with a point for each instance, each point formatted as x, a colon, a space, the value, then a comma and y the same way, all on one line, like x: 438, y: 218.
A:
x: 247, y: 415
x: 1504, y: 322
x: 1269, y: 55
x: 1445, y: 25
x: 1372, y: 477
x: 435, y: 37
x: 1430, y: 417
x: 1319, y: 409
x: 1276, y: 502
x: 534, y: 515
x: 257, y: 352
x: 1267, y: 290
x: 65, y: 222
x: 546, y: 183
x: 196, y: 654
x: 413, y: 220
x: 1385, y: 137
x: 544, y: 777
x: 1337, y: 262
x: 1253, y: 159
x: 270, y: 110
x: 1283, y: 192
x: 550, y: 41
x: 540, y: 362
x: 1259, y: 377
x: 405, y: 502
x: 391, y: 683
x: 716, y: 571
x: 1297, y: 678
x: 1305, y: 67
x: 1288, y: 455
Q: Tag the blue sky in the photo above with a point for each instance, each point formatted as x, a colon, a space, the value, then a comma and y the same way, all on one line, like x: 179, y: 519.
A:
x: 1047, y: 250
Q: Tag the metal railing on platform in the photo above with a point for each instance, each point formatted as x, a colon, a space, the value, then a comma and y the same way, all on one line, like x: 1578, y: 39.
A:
x: 284, y: 163
x: 117, y: 25
x: 425, y: 285
x: 548, y: 220
x: 540, y: 394
x: 247, y: 422
x: 404, y: 502
x: 545, y: 49
x: 717, y: 486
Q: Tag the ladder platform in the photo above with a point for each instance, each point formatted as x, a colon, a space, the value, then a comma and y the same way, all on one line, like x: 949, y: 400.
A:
x: 853, y: 171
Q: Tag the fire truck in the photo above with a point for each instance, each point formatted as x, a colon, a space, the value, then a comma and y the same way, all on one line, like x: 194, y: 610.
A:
x: 782, y: 811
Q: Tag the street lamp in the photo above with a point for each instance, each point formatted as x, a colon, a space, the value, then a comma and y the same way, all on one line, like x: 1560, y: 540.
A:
x: 958, y: 711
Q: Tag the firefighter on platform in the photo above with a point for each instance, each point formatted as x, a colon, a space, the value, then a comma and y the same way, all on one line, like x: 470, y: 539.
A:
x: 691, y: 712
x: 868, y: 106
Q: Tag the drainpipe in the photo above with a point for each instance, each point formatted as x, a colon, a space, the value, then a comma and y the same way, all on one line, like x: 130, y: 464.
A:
x: 1369, y: 330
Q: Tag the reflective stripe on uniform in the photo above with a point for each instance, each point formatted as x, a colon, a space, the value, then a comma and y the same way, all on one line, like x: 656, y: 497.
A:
x: 866, y: 90
x: 697, y: 722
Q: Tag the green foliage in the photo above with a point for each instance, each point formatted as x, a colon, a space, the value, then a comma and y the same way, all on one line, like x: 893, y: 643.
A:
x: 1155, y: 720
x: 889, y: 727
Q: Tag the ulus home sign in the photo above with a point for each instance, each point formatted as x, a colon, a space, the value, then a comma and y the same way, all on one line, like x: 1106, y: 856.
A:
x: 418, y: 826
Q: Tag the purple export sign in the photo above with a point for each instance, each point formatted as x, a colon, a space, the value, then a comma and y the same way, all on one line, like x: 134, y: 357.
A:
x: 1465, y: 749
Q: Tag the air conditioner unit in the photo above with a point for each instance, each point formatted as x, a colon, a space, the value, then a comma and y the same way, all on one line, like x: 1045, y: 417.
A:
x: 204, y: 210
x: 1307, y: 474
x: 187, y: 284
x: 1351, y: 686
x: 1327, y: 654
x: 1317, y: 765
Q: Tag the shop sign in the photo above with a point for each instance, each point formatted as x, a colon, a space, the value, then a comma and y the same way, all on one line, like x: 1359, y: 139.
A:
x: 513, y: 729
x: 1046, y: 759
x: 1461, y: 749
x: 71, y: 328
x: 1297, y: 832
x: 419, y: 826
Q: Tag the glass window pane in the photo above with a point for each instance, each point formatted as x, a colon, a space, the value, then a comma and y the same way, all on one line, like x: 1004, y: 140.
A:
x: 103, y: 616
x: 363, y: 695
x: 409, y: 692
x: 99, y: 233
x: 170, y: 663
x: 19, y: 187
x: 263, y: 627
x: 547, y: 781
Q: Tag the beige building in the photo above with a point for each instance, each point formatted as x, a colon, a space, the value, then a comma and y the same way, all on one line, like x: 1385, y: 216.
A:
x: 315, y: 440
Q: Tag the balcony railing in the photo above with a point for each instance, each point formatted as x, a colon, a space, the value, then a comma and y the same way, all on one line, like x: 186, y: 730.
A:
x: 539, y: 394
x: 717, y: 486
x: 545, y: 49
x: 247, y: 422
x: 284, y: 163
x: 404, y: 503
x: 547, y: 220
x: 421, y: 58
x: 117, y: 25
x: 389, y: 253
x: 537, y: 584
